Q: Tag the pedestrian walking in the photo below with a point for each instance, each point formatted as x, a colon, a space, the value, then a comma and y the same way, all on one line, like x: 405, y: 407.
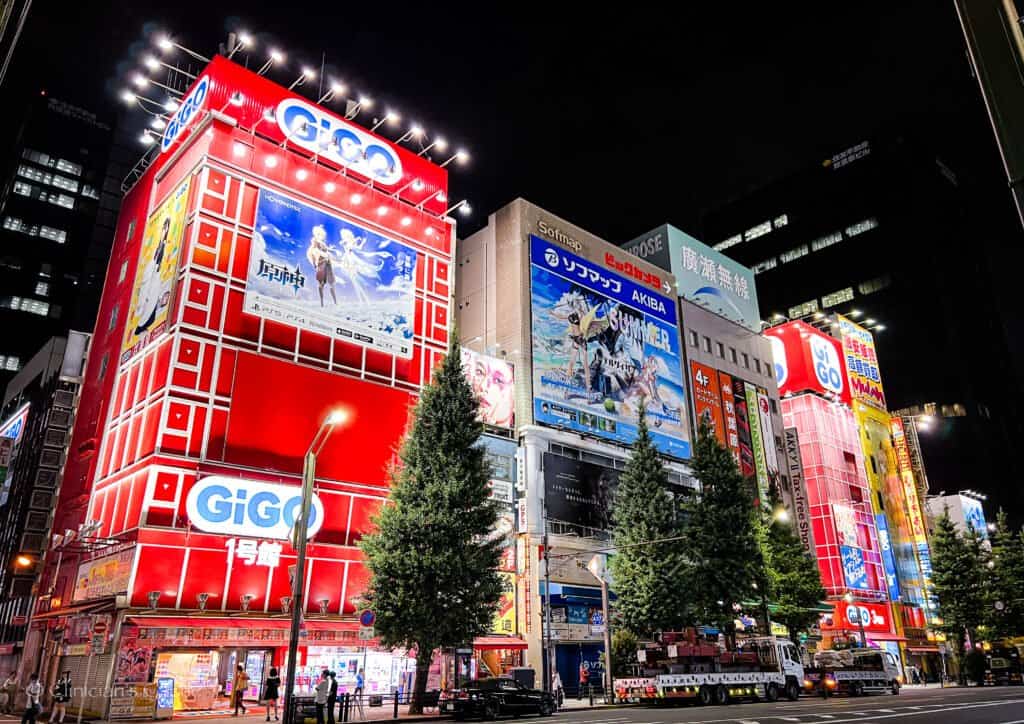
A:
x: 61, y: 697
x: 323, y: 687
x: 10, y: 690
x: 271, y: 693
x: 556, y: 688
x: 32, y: 693
x: 360, y: 683
x: 332, y: 697
x: 238, y: 687
x: 584, y: 681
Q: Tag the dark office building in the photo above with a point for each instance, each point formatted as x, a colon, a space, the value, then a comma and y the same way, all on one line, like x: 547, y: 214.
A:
x: 887, y: 233
x: 35, y: 418
x: 57, y: 211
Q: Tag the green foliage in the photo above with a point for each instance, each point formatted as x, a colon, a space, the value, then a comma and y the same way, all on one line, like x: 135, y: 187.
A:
x: 432, y: 561
x: 959, y: 582
x: 1005, y: 582
x: 624, y: 646
x: 794, y: 583
x: 726, y: 553
x: 649, y: 577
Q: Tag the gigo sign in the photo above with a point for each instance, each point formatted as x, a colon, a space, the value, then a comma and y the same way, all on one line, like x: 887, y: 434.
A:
x: 807, y: 360
x: 307, y: 126
x: 188, y: 109
x: 236, y: 507
x: 826, y: 364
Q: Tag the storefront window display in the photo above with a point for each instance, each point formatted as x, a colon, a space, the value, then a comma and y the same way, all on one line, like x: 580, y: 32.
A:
x: 195, y: 675
x: 384, y: 671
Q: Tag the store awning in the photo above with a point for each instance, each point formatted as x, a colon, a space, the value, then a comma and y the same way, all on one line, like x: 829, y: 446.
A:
x: 240, y: 622
x: 491, y: 643
x: 94, y: 607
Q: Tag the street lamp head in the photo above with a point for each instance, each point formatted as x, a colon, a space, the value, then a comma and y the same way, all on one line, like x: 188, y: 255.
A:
x: 23, y: 561
x: 781, y: 515
x: 164, y: 43
x: 336, y: 417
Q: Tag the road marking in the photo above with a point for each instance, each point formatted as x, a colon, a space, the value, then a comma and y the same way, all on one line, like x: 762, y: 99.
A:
x: 748, y: 721
x: 789, y: 718
x: 886, y: 711
x: 825, y: 716
x: 956, y: 707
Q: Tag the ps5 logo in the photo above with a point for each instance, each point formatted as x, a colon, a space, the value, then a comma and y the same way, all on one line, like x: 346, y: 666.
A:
x: 188, y: 109
x: 826, y: 364
x: 309, y: 127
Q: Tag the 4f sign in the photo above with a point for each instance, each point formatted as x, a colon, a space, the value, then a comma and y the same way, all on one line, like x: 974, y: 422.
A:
x: 307, y: 126
x: 249, y: 508
x: 188, y: 110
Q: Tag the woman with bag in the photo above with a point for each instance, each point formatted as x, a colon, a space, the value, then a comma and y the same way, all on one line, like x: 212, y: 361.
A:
x: 238, y: 687
x: 270, y: 691
x: 32, y: 692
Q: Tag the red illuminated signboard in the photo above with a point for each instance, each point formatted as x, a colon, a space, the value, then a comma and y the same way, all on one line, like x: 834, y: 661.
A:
x: 876, y: 617
x: 806, y: 360
x: 258, y: 103
x: 707, y: 399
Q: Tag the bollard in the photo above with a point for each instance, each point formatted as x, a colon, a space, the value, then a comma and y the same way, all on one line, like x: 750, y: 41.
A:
x: 344, y: 707
x: 590, y: 693
x: 396, y: 704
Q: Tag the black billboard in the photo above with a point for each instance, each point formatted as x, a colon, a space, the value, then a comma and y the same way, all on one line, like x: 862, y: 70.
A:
x: 579, y: 492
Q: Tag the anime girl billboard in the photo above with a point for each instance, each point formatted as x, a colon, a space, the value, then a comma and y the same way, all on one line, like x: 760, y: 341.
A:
x: 329, y: 275
x: 602, y: 348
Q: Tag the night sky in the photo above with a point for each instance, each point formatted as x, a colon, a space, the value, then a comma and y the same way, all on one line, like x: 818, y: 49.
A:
x: 616, y: 120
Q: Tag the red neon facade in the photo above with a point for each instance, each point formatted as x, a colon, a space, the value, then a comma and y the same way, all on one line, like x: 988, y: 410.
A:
x: 220, y: 392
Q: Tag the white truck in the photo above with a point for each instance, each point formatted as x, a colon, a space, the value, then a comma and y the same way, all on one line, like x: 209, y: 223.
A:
x: 854, y: 672
x: 761, y: 668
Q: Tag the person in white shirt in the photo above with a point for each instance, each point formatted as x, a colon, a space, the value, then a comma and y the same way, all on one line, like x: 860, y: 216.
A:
x: 33, y: 691
x: 323, y: 688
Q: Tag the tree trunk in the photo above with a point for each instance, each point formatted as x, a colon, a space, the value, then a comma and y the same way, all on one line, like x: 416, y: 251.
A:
x: 423, y: 657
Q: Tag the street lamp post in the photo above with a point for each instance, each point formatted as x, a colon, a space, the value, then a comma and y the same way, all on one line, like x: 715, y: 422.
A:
x: 860, y: 620
x: 299, y: 533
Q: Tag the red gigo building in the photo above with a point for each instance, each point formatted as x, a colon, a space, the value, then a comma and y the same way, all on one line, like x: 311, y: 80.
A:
x: 275, y: 262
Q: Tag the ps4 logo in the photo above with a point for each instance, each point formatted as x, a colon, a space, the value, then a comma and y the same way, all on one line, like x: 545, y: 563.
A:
x: 188, y: 109
x: 249, y: 508
x: 328, y: 136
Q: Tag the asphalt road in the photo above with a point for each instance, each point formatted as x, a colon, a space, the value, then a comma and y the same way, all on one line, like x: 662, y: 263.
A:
x: 913, y: 706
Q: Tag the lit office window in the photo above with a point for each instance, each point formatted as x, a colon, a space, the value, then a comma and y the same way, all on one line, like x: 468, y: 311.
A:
x: 731, y: 241
x: 12, y: 223
x: 89, y: 192
x: 823, y: 242
x: 840, y: 297
x: 9, y: 363
x: 861, y: 226
x: 756, y: 231
x: 64, y: 200
x: 794, y: 254
x: 23, y: 189
x: 24, y: 304
x: 65, y: 183
x: 780, y: 221
x: 43, y: 289
x: 36, y: 157
x: 33, y: 174
x: 765, y: 265
x: 58, y: 235
x: 69, y: 167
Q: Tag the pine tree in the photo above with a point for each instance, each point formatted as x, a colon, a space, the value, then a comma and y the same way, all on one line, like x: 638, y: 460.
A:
x: 432, y: 560
x: 794, y: 583
x: 726, y: 553
x: 958, y: 581
x: 649, y: 578
x: 1005, y: 604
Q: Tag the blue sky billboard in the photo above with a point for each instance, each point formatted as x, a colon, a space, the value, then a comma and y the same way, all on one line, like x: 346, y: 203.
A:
x: 319, y: 272
x: 602, y: 346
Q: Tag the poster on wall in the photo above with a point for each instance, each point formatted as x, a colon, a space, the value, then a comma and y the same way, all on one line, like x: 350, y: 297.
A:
x: 757, y: 444
x: 854, y: 570
x: 732, y: 431
x: 505, y: 616
x: 888, y: 558
x: 771, y: 454
x: 133, y: 660
x: 316, y: 271
x: 493, y: 383
x: 707, y: 399
x: 602, y: 347
x: 578, y: 492
x: 105, y: 576
x: 739, y: 392
x: 156, y: 272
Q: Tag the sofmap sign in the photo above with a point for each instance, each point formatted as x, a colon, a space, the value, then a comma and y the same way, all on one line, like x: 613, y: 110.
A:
x: 237, y: 507
x: 327, y: 135
x: 603, y: 345
x: 188, y: 110
x: 704, y: 276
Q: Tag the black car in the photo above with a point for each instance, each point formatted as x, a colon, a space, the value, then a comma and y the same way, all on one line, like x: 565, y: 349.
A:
x: 491, y: 698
